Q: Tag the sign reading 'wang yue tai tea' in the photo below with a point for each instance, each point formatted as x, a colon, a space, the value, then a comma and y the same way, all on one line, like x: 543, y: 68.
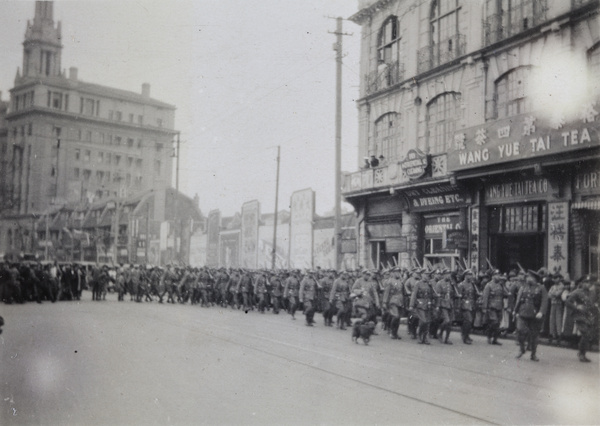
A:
x: 522, y: 137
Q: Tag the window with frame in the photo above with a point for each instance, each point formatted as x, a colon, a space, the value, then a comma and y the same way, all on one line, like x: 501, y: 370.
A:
x: 445, y: 42
x: 512, y: 91
x: 518, y: 219
x: 443, y: 114
x: 388, y: 41
x: 389, y: 136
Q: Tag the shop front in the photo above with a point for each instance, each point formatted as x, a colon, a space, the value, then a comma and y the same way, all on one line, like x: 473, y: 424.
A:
x: 441, y: 214
x: 383, y: 231
x: 585, y: 212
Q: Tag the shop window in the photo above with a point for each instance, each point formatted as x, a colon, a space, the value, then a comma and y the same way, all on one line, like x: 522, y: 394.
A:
x: 443, y: 113
x: 389, y: 136
x: 521, y: 218
x: 511, y: 93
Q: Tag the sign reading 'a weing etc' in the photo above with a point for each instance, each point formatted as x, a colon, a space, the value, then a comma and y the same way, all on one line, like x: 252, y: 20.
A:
x: 415, y: 164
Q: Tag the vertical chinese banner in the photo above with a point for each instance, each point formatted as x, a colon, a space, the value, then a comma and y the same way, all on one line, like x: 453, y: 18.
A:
x: 250, y: 222
x: 558, y: 237
x: 474, y: 246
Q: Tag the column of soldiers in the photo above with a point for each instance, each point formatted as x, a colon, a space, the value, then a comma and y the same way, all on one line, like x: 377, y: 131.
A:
x: 431, y: 300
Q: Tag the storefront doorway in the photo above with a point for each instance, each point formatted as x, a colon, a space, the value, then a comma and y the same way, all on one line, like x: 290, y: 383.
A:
x: 517, y: 236
x: 508, y: 251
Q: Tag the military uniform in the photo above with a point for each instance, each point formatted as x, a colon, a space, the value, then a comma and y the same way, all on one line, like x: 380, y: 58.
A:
x: 532, y: 302
x: 393, y: 302
x: 307, y: 296
x: 260, y: 291
x: 493, y: 306
x: 292, y: 285
x: 421, y: 303
x: 340, y: 298
x: 369, y: 288
x: 325, y: 286
x: 467, y: 293
x: 585, y: 309
x: 413, y: 319
x: 445, y: 304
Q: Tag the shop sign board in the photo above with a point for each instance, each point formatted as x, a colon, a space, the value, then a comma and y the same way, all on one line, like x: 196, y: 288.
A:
x: 435, y: 226
x: 587, y: 182
x: 456, y: 239
x: 301, y: 234
x: 415, y: 164
x: 523, y: 137
x: 437, y: 197
x: 518, y: 190
x: 213, y: 229
x: 558, y: 236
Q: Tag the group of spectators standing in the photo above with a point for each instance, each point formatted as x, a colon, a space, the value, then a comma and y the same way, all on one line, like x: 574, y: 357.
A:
x: 432, y: 301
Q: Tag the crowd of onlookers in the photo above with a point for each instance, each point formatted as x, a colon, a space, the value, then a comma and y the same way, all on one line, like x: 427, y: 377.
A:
x: 372, y: 296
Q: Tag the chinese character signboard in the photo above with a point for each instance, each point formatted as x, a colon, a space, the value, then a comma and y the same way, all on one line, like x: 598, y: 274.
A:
x: 250, y: 217
x: 521, y: 137
x: 558, y: 236
x: 301, y: 238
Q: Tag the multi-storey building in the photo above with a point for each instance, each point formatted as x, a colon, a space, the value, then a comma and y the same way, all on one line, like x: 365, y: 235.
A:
x: 70, y: 141
x: 486, y: 114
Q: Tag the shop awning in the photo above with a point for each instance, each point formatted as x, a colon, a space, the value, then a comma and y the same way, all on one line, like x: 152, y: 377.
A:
x: 593, y: 204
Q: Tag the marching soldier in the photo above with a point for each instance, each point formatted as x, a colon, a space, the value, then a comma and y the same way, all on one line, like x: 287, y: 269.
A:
x: 493, y: 306
x: 467, y: 293
x: 393, y: 301
x: 409, y: 285
x: 325, y: 286
x: 260, y: 291
x: 585, y: 309
x: 292, y: 285
x: 421, y: 303
x: 276, y: 291
x: 532, y: 302
x: 446, y: 293
x: 307, y: 296
x: 340, y: 296
x: 369, y: 290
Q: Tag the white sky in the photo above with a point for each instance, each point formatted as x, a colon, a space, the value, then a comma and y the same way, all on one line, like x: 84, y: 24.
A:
x: 245, y: 76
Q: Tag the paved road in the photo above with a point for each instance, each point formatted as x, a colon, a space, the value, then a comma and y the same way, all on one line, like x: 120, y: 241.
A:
x: 113, y: 363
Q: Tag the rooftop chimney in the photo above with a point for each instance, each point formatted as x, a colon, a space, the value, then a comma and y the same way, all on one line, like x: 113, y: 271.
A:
x: 73, y: 73
x: 146, y: 90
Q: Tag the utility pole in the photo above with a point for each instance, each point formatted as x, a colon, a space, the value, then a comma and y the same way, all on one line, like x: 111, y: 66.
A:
x: 176, y: 223
x: 338, y: 141
x: 274, y: 252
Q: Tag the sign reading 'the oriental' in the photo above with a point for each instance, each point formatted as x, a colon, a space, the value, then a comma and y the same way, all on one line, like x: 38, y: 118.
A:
x: 521, y: 137
x: 415, y: 163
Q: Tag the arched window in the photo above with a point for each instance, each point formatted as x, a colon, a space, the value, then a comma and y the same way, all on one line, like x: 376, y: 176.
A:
x: 512, y: 91
x: 443, y: 113
x: 445, y: 43
x: 388, y: 41
x: 389, y: 136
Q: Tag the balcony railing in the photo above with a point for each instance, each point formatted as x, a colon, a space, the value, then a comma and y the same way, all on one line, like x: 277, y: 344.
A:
x: 430, y: 57
x: 392, y: 74
x: 514, y: 21
x: 387, y: 175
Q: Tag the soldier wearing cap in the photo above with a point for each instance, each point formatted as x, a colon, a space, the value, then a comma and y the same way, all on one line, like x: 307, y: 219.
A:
x: 409, y: 285
x: 324, y: 291
x: 421, y: 304
x: 339, y: 298
x: 532, y: 302
x: 307, y: 296
x: 585, y: 307
x: 290, y: 292
x: 445, y: 295
x: 276, y: 284
x: 260, y: 291
x: 467, y: 293
x: 370, y: 289
x: 393, y: 301
x: 493, y: 306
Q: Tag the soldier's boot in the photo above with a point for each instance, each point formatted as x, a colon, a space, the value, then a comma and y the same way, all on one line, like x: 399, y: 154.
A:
x: 495, y: 338
x: 394, y: 324
x: 446, y: 339
x: 521, y: 347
